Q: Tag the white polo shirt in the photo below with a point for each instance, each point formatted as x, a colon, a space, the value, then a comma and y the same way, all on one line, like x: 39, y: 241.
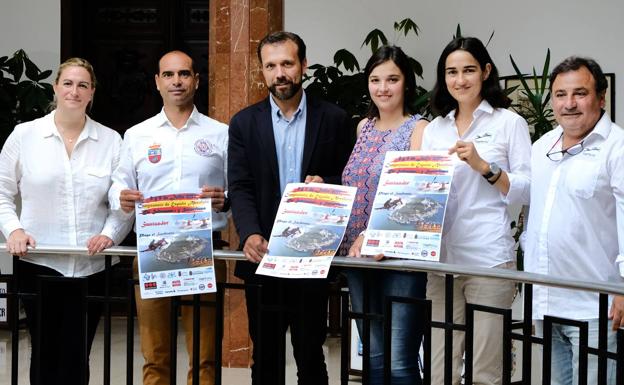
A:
x: 156, y: 156
x: 576, y: 220
x: 476, y: 224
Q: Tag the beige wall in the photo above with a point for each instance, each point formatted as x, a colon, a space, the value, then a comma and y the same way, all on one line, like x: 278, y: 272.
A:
x: 524, y: 29
x: 35, y: 26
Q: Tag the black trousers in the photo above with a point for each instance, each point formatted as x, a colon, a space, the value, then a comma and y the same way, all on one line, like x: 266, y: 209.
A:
x: 273, y: 305
x: 61, y: 324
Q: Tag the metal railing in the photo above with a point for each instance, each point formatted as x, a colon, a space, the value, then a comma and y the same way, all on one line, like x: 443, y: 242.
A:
x: 388, y: 264
x: 449, y: 270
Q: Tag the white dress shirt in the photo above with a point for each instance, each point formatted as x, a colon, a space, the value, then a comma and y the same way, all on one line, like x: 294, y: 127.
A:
x: 156, y: 156
x: 575, y: 227
x: 476, y: 224
x: 64, y: 199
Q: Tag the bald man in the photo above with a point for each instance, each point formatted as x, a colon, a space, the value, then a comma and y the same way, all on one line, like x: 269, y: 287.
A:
x: 184, y: 150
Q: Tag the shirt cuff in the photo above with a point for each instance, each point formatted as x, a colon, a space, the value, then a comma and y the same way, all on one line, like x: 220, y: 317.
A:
x: 113, y: 197
x: 117, y: 227
x: 519, y: 191
x: 10, y: 227
x: 109, y: 233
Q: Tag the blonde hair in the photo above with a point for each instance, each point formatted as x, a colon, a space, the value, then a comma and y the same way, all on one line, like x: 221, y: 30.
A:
x: 75, y: 62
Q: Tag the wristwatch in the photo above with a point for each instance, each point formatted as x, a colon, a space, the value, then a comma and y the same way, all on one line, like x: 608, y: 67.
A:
x: 494, y: 173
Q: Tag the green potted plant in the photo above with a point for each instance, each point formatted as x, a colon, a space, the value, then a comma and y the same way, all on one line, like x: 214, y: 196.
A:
x: 24, y: 95
x: 343, y: 83
x: 535, y: 96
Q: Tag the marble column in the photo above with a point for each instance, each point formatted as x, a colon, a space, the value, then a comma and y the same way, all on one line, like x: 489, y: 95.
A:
x: 235, y: 81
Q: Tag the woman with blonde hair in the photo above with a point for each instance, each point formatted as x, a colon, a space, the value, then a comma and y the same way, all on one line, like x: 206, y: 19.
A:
x: 61, y: 166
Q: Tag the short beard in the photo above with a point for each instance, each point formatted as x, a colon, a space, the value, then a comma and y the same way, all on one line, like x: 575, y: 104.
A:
x: 288, y: 94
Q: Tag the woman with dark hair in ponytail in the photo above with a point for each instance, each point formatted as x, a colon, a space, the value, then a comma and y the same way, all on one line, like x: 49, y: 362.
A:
x: 492, y: 170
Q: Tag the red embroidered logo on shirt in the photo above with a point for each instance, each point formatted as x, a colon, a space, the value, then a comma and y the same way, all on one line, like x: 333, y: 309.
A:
x: 154, y: 153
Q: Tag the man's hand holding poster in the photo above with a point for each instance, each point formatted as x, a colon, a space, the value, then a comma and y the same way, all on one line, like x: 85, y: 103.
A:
x: 174, y: 244
x: 309, y: 226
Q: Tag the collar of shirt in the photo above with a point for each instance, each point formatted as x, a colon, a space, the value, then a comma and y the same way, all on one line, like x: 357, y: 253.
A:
x: 482, y: 108
x: 277, y: 115
x: 50, y: 128
x: 163, y: 120
x: 600, y: 132
x: 602, y: 129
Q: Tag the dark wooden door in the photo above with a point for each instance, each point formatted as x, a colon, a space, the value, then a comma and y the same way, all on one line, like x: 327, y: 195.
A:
x: 124, y: 39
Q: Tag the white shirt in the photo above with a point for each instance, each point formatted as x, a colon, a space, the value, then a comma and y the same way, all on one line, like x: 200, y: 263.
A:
x: 476, y: 228
x: 575, y: 227
x: 64, y: 200
x: 156, y: 156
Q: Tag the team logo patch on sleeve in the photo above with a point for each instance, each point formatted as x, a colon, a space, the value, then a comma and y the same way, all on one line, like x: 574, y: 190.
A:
x: 203, y: 147
x: 154, y: 153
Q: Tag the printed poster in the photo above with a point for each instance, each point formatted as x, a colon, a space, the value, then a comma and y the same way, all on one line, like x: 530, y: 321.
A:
x: 408, y: 210
x: 310, y: 223
x: 174, y: 245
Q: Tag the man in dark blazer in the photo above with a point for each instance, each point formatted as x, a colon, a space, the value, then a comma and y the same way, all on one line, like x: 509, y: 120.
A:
x: 285, y: 138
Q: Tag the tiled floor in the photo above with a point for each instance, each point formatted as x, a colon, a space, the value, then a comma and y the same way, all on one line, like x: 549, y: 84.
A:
x: 231, y: 376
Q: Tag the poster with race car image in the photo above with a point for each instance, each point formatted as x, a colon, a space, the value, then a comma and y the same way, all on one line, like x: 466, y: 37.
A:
x: 408, y: 210
x: 174, y: 245
x: 309, y: 226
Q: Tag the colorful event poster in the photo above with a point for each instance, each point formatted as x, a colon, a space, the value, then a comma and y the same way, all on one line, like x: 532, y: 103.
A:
x: 174, y: 244
x: 309, y: 226
x: 408, y: 210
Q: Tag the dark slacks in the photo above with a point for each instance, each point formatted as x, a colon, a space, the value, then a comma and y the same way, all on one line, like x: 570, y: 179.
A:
x: 273, y: 305
x: 61, y: 339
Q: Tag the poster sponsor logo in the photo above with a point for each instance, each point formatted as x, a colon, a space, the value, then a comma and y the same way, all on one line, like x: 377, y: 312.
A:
x: 150, y: 285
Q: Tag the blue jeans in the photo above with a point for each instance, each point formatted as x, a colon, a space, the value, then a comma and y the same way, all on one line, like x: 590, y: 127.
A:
x: 407, y: 324
x: 565, y: 353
